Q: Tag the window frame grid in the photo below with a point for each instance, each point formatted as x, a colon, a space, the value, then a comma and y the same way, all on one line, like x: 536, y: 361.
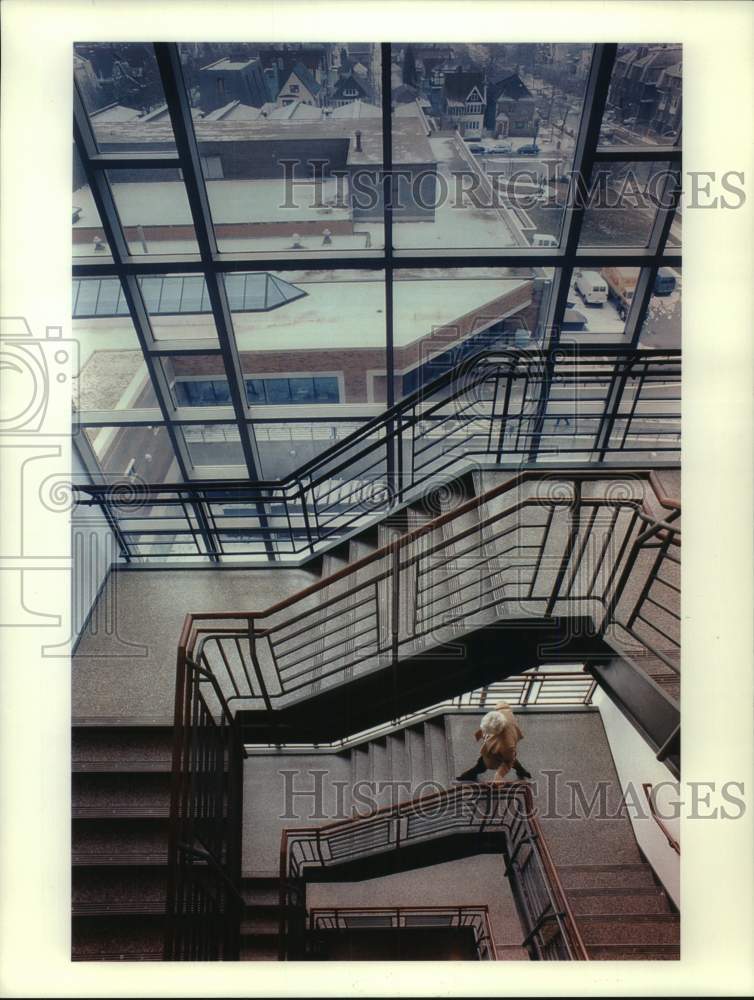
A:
x: 213, y: 264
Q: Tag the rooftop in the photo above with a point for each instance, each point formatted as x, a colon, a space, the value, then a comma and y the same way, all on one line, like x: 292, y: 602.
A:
x: 410, y: 144
x: 459, y: 85
x: 227, y: 63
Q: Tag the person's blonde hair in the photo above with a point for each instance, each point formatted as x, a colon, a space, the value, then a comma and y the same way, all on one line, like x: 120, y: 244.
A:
x: 493, y: 723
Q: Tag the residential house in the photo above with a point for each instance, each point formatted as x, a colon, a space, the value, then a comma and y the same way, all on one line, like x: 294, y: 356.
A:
x: 232, y: 78
x: 300, y: 85
x: 667, y: 119
x: 634, y: 89
x: 351, y: 87
x: 465, y: 98
x: 511, y: 108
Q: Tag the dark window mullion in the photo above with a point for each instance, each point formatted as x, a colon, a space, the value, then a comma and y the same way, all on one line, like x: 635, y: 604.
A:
x: 179, y: 107
x: 98, y: 182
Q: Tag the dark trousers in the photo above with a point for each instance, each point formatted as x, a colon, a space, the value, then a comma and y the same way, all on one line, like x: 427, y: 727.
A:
x: 480, y: 767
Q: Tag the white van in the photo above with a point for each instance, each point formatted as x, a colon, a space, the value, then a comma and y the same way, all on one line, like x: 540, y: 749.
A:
x: 592, y: 287
x: 543, y: 240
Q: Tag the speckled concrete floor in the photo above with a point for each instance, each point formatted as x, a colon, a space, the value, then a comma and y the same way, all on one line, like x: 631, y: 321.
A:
x: 124, y: 667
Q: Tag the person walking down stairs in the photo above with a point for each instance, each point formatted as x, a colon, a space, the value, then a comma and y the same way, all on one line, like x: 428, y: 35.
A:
x: 500, y: 735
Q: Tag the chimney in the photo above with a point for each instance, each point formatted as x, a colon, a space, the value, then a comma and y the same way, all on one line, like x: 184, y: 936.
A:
x: 358, y: 141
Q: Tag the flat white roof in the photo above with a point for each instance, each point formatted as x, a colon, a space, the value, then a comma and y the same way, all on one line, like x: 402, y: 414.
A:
x: 335, y: 313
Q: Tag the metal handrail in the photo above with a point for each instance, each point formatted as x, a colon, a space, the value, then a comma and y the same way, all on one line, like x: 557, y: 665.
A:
x: 507, y: 810
x: 290, y: 621
x: 672, y: 842
x: 579, y: 684
x: 463, y: 415
x: 459, y: 915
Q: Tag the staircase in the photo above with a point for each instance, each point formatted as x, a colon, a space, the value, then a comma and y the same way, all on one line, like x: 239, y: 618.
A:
x: 473, y: 582
x: 120, y: 809
x: 260, y: 925
x: 464, y: 821
x: 417, y: 611
x: 622, y: 912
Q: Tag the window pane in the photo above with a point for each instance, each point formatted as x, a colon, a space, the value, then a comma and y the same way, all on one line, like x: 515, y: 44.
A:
x: 280, y: 129
x: 178, y: 307
x: 675, y: 236
x: 112, y: 374
x: 444, y: 316
x: 88, y: 234
x: 644, y: 103
x: 214, y: 446
x: 598, y: 302
x: 331, y: 325
x: 145, y: 452
x: 154, y: 211
x: 623, y: 202
x: 481, y: 133
x: 284, y: 447
x: 197, y: 379
x: 121, y: 89
x: 278, y: 390
x: 662, y: 325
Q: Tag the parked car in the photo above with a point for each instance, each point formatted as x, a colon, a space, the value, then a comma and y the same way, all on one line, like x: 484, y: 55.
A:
x: 477, y: 149
x: 501, y: 150
x: 664, y: 282
x: 592, y: 287
x: 531, y: 149
x: 544, y: 240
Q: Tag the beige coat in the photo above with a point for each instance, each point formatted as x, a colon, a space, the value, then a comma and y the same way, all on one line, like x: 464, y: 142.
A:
x: 499, y: 752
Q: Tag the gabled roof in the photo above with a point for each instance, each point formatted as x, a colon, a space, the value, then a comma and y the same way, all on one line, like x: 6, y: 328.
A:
x: 302, y: 73
x: 349, y: 82
x: 404, y: 94
x: 115, y: 113
x: 458, y: 86
x: 510, y: 86
x: 356, y: 109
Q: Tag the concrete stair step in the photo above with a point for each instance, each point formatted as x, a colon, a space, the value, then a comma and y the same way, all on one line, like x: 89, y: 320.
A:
x: 121, y: 766
x: 119, y: 889
x: 416, y: 755
x: 360, y: 764
x: 634, y: 952
x: 620, y: 876
x: 381, y: 772
x: 130, y: 841
x: 615, y: 900
x: 379, y: 760
x: 627, y: 928
x: 146, y: 907
x: 511, y: 953
x: 121, y: 747
x: 121, y: 810
x: 117, y: 937
x: 436, y: 745
x: 260, y: 921
x: 400, y: 768
x: 261, y: 891
x: 120, y: 790
x: 258, y: 949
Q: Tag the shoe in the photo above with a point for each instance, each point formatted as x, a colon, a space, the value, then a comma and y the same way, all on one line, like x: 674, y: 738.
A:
x: 524, y: 775
x: 468, y: 776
